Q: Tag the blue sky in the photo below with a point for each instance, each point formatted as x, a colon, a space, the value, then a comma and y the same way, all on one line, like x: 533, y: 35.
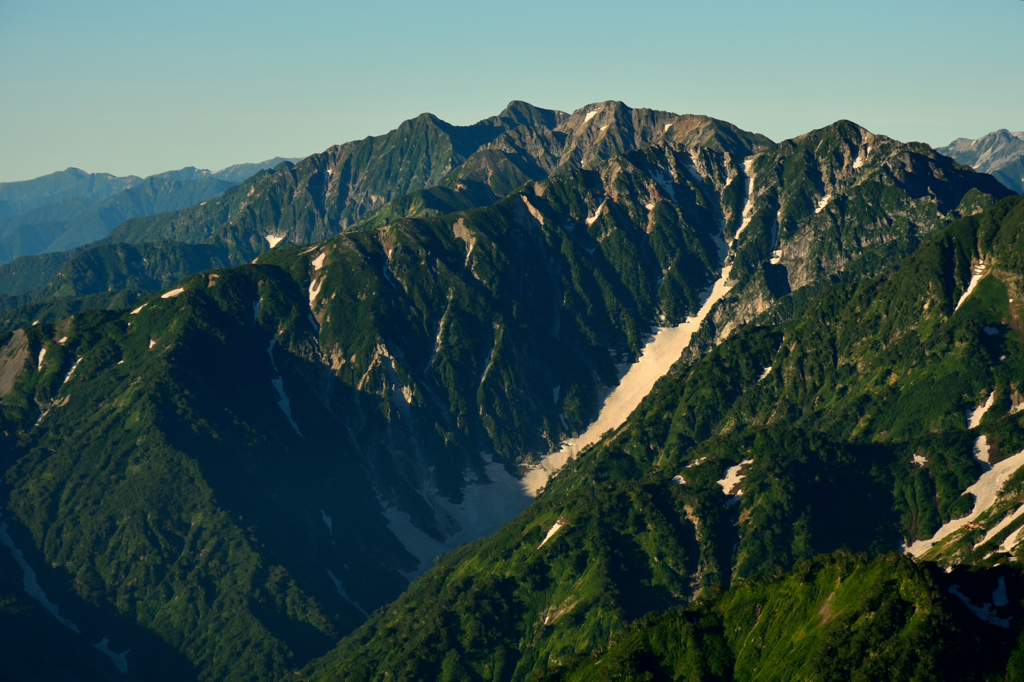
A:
x: 140, y: 87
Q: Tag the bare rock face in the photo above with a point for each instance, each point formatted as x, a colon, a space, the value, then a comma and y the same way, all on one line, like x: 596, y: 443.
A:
x: 1001, y: 154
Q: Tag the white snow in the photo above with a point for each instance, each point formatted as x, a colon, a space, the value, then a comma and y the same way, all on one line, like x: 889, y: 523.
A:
x: 734, y: 476
x: 667, y: 126
x: 1011, y: 541
x: 551, y: 532
x: 650, y: 206
x: 981, y: 450
x: 776, y: 257
x: 72, y: 370
x: 748, y: 207
x: 678, y: 479
x: 657, y: 357
x: 318, y: 262
x: 139, y: 309
x: 590, y: 115
x: 604, y: 128
x: 823, y: 203
x: 985, y: 612
x: 862, y: 157
x: 1017, y: 408
x: 485, y: 508
x: 974, y: 416
x: 985, y: 492
x: 63, y: 340
x: 152, y: 342
x: 327, y: 522
x: 174, y: 292
x: 978, y: 274
x: 919, y: 460
x: 341, y: 590
x: 32, y: 587
x: 999, y: 527
x: 120, y: 660
x: 665, y: 183
x: 764, y: 374
x: 597, y: 214
x: 42, y: 354
x: 283, y: 402
x: 274, y: 239
x: 999, y: 597
x: 696, y: 462
x: 314, y: 291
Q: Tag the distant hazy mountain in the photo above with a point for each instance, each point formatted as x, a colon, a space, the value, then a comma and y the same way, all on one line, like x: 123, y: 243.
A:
x: 79, y: 220
x: 68, y: 209
x: 1000, y: 154
x: 18, y: 197
x: 233, y: 174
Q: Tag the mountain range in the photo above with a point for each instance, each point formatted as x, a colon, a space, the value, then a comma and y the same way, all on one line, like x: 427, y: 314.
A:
x: 1001, y: 154
x: 238, y: 435
x: 71, y: 208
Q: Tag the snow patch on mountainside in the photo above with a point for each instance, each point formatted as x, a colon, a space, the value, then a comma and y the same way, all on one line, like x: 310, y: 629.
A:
x: 590, y: 115
x: 42, y: 354
x: 318, y: 262
x: 485, y: 508
x: 666, y: 183
x: 120, y: 660
x: 551, y: 532
x: 733, y: 478
x: 278, y: 383
x: 597, y: 214
x: 985, y: 612
x: 71, y: 371
x: 823, y: 203
x: 314, y: 291
x: 974, y: 416
x: 976, y: 276
x: 985, y: 492
x: 138, y: 310
x: 748, y: 207
x: 999, y: 527
x: 344, y: 595
x: 31, y: 585
x: 274, y: 239
x: 174, y: 292
x: 656, y: 358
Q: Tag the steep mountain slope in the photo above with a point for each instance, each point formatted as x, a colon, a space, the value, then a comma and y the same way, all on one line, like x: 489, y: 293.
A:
x: 328, y: 193
x: 1000, y: 154
x: 245, y: 429
x: 325, y: 193
x: 19, y: 197
x: 838, y: 618
x: 110, y: 276
x: 287, y: 442
x: 747, y: 462
x: 834, y: 205
x: 73, y: 222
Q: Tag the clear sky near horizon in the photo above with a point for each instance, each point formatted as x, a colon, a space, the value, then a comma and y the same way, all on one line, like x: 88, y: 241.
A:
x: 139, y: 87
